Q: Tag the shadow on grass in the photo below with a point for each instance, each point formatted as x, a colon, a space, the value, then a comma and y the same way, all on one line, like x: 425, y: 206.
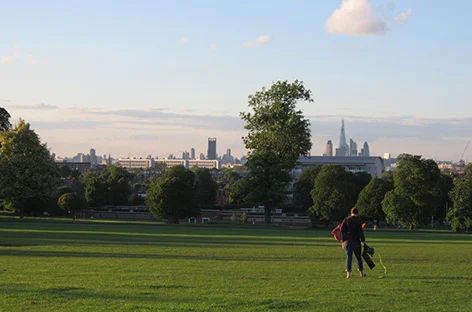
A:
x: 82, y: 254
x: 73, y: 293
x: 65, y: 238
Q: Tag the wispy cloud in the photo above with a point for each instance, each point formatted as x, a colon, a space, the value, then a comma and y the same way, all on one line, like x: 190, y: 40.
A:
x: 403, y: 16
x: 263, y: 39
x: 41, y: 106
x: 17, y: 53
x: 357, y: 18
x: 182, y: 41
x: 213, y: 47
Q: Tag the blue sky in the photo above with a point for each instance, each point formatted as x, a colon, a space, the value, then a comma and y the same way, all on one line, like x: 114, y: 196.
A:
x: 159, y: 77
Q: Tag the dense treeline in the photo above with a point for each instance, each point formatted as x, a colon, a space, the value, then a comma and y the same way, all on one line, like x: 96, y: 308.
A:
x: 412, y: 196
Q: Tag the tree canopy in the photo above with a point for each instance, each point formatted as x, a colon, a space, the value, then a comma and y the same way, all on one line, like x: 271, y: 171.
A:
x: 206, y: 187
x: 333, y: 194
x: 27, y: 170
x: 4, y: 120
x: 71, y: 203
x: 278, y: 134
x: 173, y: 195
x: 370, y: 199
x: 414, y: 197
x: 461, y: 213
x: 304, y: 185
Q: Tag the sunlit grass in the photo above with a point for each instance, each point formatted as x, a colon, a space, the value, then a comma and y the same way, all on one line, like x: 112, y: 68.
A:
x: 143, y: 267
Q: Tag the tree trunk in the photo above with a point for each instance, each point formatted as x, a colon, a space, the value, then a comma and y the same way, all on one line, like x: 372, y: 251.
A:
x: 268, y: 215
x: 412, y: 226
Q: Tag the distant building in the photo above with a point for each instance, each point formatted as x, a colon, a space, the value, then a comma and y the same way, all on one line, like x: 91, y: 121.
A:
x: 172, y: 162
x: 192, y: 153
x: 202, y: 156
x: 211, y: 155
x: 186, y: 155
x: 329, y: 148
x: 352, y: 148
x: 82, y: 167
x: 136, y: 163
x: 204, y: 163
x: 372, y: 165
x: 365, y: 151
x: 93, y: 156
x: 85, y: 158
x: 343, y: 149
x: 341, y: 152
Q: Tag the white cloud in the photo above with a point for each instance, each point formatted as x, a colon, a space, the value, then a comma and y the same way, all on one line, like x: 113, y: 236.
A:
x: 357, y: 18
x: 213, y: 47
x: 182, y: 41
x: 403, y: 16
x: 6, y: 59
x: 259, y: 40
x: 17, y: 53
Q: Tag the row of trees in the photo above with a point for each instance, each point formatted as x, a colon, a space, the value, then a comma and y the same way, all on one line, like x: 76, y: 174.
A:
x: 277, y: 135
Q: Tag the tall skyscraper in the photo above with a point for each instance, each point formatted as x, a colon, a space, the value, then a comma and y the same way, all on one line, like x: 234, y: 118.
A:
x: 365, y: 151
x: 352, y: 148
x: 93, y: 156
x: 329, y: 148
x: 211, y: 149
x: 343, y: 149
x: 192, y: 153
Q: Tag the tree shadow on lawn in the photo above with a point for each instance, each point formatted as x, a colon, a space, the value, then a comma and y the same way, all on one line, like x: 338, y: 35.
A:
x: 48, y: 238
x: 82, y: 254
x: 152, y: 294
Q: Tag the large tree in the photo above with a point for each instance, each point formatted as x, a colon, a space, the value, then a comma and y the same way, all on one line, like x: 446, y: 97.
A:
x: 278, y: 134
x: 446, y: 185
x: 118, y: 182
x: 94, y: 189
x: 173, y: 195
x: 206, y: 187
x: 71, y: 203
x: 304, y: 185
x: 333, y: 194
x: 415, y: 194
x: 4, y: 120
x: 27, y: 170
x: 240, y: 192
x: 370, y: 198
x: 461, y: 213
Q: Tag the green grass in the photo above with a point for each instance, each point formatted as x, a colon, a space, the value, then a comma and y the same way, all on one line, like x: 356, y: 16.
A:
x: 98, y: 266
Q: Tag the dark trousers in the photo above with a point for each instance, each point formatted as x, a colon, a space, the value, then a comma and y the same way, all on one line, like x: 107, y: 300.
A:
x: 351, y: 246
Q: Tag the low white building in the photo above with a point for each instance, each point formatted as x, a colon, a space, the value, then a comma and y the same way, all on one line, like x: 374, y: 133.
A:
x: 372, y: 165
x: 173, y: 162
x: 204, y: 163
x: 135, y: 163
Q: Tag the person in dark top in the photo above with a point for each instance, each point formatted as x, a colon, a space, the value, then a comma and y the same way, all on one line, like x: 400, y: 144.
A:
x: 352, y: 235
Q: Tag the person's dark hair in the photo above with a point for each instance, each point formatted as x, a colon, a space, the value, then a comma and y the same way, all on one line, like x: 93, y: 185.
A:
x: 354, y: 210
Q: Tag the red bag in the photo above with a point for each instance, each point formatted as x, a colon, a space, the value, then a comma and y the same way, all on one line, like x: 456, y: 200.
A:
x: 337, y: 233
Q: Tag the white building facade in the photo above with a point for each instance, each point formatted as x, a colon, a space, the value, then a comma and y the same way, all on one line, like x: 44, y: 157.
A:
x: 371, y: 165
x: 136, y: 163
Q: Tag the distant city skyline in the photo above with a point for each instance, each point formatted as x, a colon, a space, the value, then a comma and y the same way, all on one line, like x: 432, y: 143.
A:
x: 161, y: 77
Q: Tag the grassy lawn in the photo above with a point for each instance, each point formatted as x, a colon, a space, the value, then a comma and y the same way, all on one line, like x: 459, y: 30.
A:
x: 98, y: 266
